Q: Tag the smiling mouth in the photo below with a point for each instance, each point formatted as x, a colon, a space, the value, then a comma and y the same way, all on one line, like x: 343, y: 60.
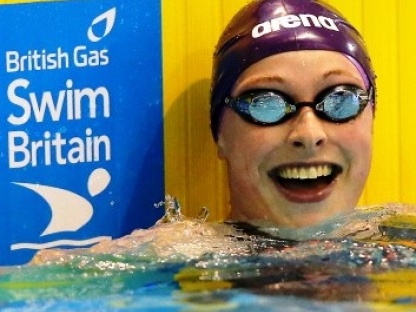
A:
x: 305, y: 177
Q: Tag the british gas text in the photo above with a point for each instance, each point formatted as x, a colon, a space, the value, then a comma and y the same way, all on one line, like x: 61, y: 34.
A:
x: 29, y: 104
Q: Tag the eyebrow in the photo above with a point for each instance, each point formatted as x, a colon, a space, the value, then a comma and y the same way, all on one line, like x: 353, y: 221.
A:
x: 276, y: 78
x: 259, y: 79
x: 265, y: 78
x: 336, y: 72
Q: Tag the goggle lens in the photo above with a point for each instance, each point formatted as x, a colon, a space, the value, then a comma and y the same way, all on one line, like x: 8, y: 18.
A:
x: 267, y: 108
x: 341, y: 105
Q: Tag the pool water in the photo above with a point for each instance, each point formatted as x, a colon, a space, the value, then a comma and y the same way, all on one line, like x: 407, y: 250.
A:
x: 364, y: 261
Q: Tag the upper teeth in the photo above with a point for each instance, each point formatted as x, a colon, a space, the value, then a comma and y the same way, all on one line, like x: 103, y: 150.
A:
x: 310, y: 172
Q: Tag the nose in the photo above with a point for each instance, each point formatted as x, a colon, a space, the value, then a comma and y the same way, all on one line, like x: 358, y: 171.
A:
x: 307, y: 131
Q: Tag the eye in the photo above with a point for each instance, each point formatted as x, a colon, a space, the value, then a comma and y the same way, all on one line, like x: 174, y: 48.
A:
x: 341, y: 104
x: 267, y: 107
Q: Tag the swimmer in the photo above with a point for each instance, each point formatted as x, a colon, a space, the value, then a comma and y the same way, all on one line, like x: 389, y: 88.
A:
x: 292, y: 110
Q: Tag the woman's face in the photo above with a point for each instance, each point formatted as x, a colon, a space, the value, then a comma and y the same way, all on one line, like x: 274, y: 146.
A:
x: 306, y: 146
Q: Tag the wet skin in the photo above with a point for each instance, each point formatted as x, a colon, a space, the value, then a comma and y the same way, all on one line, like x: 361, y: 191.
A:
x: 333, y: 160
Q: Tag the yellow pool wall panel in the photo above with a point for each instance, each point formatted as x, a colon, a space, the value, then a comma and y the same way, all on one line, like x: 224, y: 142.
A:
x: 190, y: 30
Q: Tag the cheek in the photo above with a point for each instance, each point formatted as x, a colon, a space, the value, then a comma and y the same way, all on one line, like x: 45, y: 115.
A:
x: 242, y: 144
x: 357, y: 144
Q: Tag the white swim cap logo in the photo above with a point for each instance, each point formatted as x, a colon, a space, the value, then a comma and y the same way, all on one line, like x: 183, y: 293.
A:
x: 293, y: 21
x: 108, y: 18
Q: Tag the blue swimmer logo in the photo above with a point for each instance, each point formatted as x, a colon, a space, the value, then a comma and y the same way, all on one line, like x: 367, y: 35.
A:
x: 107, y: 18
x: 68, y: 218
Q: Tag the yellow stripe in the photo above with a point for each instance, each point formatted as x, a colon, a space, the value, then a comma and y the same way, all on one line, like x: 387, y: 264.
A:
x: 193, y: 172
x: 392, y: 285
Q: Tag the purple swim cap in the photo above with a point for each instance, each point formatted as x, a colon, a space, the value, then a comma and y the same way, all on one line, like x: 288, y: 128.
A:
x: 267, y: 27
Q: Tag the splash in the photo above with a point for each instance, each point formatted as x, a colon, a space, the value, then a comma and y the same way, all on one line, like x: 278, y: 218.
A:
x: 174, y: 237
x: 173, y: 211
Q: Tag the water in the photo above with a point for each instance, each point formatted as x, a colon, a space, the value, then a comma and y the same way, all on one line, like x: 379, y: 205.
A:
x: 365, y: 261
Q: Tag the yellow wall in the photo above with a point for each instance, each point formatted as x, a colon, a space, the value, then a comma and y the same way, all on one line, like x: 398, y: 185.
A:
x: 190, y: 30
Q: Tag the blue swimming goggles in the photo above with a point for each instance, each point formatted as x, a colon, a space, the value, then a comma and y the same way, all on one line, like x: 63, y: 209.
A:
x: 269, y: 107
